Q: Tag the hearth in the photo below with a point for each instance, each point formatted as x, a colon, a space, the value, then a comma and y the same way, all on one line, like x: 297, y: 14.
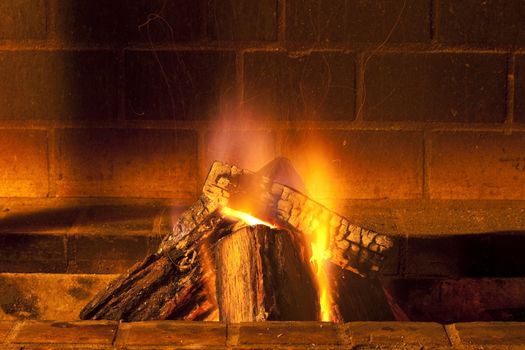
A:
x: 396, y: 194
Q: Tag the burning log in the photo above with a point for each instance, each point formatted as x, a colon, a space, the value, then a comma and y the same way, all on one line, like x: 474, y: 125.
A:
x: 170, y: 284
x: 174, y: 284
x: 263, y: 274
x: 351, y: 247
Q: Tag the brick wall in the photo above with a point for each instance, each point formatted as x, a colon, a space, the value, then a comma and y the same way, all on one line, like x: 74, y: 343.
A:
x: 417, y: 100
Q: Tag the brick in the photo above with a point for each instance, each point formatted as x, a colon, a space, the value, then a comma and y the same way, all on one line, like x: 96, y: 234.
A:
x: 105, y: 253
x: 440, y: 87
x: 37, y: 216
x: 242, y: 20
x: 396, y: 334
x: 32, y: 253
x: 357, y: 162
x: 450, y: 217
x: 491, y: 333
x: 118, y: 220
x: 447, y: 300
x: 5, y: 328
x: 47, y: 296
x: 24, y: 163
x: 23, y: 19
x: 433, y: 257
x: 174, y: 333
x: 487, y: 23
x: 476, y: 165
x: 320, y: 85
x: 258, y: 148
x: 83, y: 332
x: 519, y: 97
x: 178, y: 84
x: 288, y: 333
x: 119, y: 21
x: 471, y: 255
x: 127, y: 162
x: 357, y: 21
x: 58, y: 85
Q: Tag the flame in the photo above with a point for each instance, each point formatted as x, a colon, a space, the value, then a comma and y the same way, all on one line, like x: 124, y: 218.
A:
x: 319, y: 242
x: 247, y: 218
x: 318, y: 182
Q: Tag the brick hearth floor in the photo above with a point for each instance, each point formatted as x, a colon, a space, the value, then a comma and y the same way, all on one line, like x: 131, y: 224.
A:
x: 28, y: 335
x: 56, y: 254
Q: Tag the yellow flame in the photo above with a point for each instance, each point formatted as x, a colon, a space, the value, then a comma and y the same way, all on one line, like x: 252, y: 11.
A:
x: 319, y: 243
x: 317, y: 179
x: 247, y: 218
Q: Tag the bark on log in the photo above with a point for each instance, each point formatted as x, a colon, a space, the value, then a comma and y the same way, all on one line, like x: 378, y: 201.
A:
x: 170, y: 284
x: 264, y: 274
x: 358, y: 298
x: 352, y: 247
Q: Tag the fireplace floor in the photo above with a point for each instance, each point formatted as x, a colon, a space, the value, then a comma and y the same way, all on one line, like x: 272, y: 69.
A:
x: 272, y: 335
x: 457, y: 262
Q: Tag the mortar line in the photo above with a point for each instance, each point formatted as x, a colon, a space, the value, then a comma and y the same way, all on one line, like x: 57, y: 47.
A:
x: 359, y: 93
x: 117, y: 330
x: 70, y: 254
x: 404, y: 257
x: 281, y: 22
x: 434, y: 19
x: 121, y: 85
x: 13, y: 332
x: 403, y: 48
x: 511, y: 69
x: 121, y: 337
x: 239, y: 66
x: 232, y: 334
x: 204, y: 23
x: 51, y: 163
x: 403, y: 126
x: 425, y: 167
x: 51, y: 22
x: 453, y: 336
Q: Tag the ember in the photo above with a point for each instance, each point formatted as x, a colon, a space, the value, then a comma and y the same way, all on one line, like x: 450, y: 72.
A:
x: 260, y: 268
x: 249, y: 219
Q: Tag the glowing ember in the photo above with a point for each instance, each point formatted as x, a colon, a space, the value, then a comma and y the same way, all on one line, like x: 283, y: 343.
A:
x: 247, y: 218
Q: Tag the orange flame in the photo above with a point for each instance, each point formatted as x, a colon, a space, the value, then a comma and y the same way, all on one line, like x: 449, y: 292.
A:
x: 319, y: 243
x: 247, y: 218
x: 318, y: 182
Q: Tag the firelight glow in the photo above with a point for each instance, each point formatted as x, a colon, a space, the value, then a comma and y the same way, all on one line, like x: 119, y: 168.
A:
x: 320, y: 254
x: 247, y: 218
x: 319, y: 183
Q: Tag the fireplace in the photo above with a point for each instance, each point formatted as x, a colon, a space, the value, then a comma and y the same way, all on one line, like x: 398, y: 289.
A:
x: 404, y: 118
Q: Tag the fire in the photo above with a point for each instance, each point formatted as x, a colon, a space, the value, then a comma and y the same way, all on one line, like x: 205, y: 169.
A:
x: 320, y: 255
x: 247, y: 218
x: 318, y: 183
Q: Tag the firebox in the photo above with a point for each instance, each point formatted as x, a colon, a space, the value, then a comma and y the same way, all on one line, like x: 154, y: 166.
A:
x: 262, y: 174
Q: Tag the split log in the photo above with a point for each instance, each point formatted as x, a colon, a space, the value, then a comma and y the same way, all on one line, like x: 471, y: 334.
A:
x: 264, y: 274
x: 170, y: 284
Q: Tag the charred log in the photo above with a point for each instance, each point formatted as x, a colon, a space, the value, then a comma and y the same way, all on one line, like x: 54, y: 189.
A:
x: 170, y: 284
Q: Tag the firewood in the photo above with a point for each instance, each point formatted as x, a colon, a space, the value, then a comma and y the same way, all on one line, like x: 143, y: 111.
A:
x: 358, y: 298
x: 263, y: 274
x: 354, y: 248
x: 170, y: 284
x: 173, y: 284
